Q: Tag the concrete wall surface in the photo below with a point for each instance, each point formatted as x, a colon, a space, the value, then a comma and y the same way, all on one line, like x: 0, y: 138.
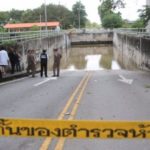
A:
x: 105, y: 37
x: 61, y: 42
x: 132, y: 48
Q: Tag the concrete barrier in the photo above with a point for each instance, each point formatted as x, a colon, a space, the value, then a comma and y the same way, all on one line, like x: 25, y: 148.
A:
x: 132, y: 48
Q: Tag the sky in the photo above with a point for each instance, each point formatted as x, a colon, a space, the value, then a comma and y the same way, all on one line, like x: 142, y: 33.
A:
x: 130, y: 12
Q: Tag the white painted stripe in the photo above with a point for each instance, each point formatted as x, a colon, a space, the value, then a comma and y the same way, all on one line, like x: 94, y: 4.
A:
x: 125, y: 80
x: 12, y: 81
x: 44, y: 81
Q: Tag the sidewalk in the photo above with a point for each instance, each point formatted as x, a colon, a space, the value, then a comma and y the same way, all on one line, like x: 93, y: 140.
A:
x: 16, y: 75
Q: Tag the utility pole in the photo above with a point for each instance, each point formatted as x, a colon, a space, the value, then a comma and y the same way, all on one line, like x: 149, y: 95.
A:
x: 40, y: 32
x: 45, y: 15
x: 79, y: 17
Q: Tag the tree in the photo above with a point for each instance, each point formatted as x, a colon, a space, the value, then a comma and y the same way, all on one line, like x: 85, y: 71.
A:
x: 112, y: 21
x: 107, y: 12
x: 145, y: 14
x: 138, y: 24
x: 35, y: 28
x: 108, y: 6
x: 4, y: 17
x: 79, y: 15
x: 27, y: 16
x: 15, y: 15
x: 54, y: 13
x: 60, y: 13
x: 92, y: 25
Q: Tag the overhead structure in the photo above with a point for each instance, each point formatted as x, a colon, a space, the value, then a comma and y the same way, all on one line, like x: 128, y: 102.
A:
x: 27, y: 26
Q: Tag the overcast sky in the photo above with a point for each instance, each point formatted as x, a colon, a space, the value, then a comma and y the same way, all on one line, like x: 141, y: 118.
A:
x: 130, y: 12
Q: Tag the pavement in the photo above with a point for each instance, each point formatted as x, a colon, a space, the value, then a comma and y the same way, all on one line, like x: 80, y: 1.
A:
x: 13, y: 76
x: 108, y: 95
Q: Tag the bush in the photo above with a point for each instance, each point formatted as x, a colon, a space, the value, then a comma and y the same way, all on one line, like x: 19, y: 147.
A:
x: 112, y: 21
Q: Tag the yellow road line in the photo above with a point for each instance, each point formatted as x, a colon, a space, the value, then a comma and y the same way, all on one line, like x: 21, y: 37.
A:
x: 60, y: 143
x: 47, y: 141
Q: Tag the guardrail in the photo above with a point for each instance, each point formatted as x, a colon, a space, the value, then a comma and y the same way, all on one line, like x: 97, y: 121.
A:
x: 143, y: 32
x: 28, y: 35
x: 16, y: 36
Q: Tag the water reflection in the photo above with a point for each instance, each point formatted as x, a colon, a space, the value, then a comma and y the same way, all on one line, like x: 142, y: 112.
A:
x: 89, y: 58
x: 93, y: 62
x: 115, y: 65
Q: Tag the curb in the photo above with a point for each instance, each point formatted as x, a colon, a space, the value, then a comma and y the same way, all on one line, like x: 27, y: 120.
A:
x: 15, y: 76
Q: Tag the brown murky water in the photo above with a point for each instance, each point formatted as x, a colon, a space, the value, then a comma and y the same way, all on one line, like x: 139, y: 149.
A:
x: 89, y: 58
x: 98, y: 57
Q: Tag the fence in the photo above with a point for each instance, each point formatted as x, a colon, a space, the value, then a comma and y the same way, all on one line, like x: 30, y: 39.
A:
x: 16, y: 36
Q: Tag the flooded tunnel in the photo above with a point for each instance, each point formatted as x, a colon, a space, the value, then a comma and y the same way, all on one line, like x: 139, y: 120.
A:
x: 91, y: 58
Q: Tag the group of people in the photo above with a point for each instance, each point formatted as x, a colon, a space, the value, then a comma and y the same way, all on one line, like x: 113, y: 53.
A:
x: 44, y: 62
x: 9, y: 58
x: 4, y: 61
x: 12, y: 59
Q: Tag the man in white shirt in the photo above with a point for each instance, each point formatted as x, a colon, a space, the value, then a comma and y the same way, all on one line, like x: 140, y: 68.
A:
x: 4, y: 59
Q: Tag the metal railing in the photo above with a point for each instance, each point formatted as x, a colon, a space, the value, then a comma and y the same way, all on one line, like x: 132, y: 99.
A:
x: 28, y: 35
x: 16, y: 36
x: 143, y: 32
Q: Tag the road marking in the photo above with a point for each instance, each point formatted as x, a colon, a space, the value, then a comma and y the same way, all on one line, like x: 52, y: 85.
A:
x: 47, y: 141
x: 44, y: 81
x: 12, y: 81
x: 75, y: 128
x: 60, y: 144
x: 125, y: 80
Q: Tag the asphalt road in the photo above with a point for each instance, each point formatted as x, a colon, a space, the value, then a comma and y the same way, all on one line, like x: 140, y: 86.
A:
x: 107, y: 95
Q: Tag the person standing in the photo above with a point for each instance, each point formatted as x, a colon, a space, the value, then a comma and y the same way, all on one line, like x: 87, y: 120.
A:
x: 17, y: 61
x: 44, y: 60
x: 56, y: 64
x: 31, y: 62
x: 12, y: 58
x: 4, y: 60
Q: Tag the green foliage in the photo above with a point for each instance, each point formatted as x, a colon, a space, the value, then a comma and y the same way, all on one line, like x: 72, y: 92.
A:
x: 107, y: 14
x: 15, y: 15
x: 9, y: 43
x: 127, y: 24
x: 145, y: 14
x: 92, y: 25
x: 27, y: 16
x: 105, y: 8
x: 61, y: 14
x: 138, y: 24
x: 112, y: 21
x: 79, y: 12
x: 4, y: 17
x: 54, y: 13
x: 35, y: 28
x: 2, y: 29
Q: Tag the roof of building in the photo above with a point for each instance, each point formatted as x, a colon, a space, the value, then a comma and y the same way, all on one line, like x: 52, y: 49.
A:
x: 29, y: 25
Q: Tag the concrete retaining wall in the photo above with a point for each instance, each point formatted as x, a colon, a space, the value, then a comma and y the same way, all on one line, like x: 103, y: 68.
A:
x: 61, y: 41
x: 132, y: 49
x: 91, y: 38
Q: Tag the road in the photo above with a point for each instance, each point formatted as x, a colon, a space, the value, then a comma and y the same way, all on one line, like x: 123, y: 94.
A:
x: 93, y: 95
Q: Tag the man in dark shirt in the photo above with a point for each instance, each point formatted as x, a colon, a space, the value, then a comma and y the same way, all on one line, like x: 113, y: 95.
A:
x: 44, y: 60
x: 12, y: 59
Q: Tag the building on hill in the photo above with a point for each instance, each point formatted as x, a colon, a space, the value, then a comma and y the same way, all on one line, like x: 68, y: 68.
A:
x: 27, y: 26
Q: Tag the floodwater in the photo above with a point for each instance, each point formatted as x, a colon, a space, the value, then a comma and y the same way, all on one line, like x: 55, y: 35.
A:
x: 89, y: 58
